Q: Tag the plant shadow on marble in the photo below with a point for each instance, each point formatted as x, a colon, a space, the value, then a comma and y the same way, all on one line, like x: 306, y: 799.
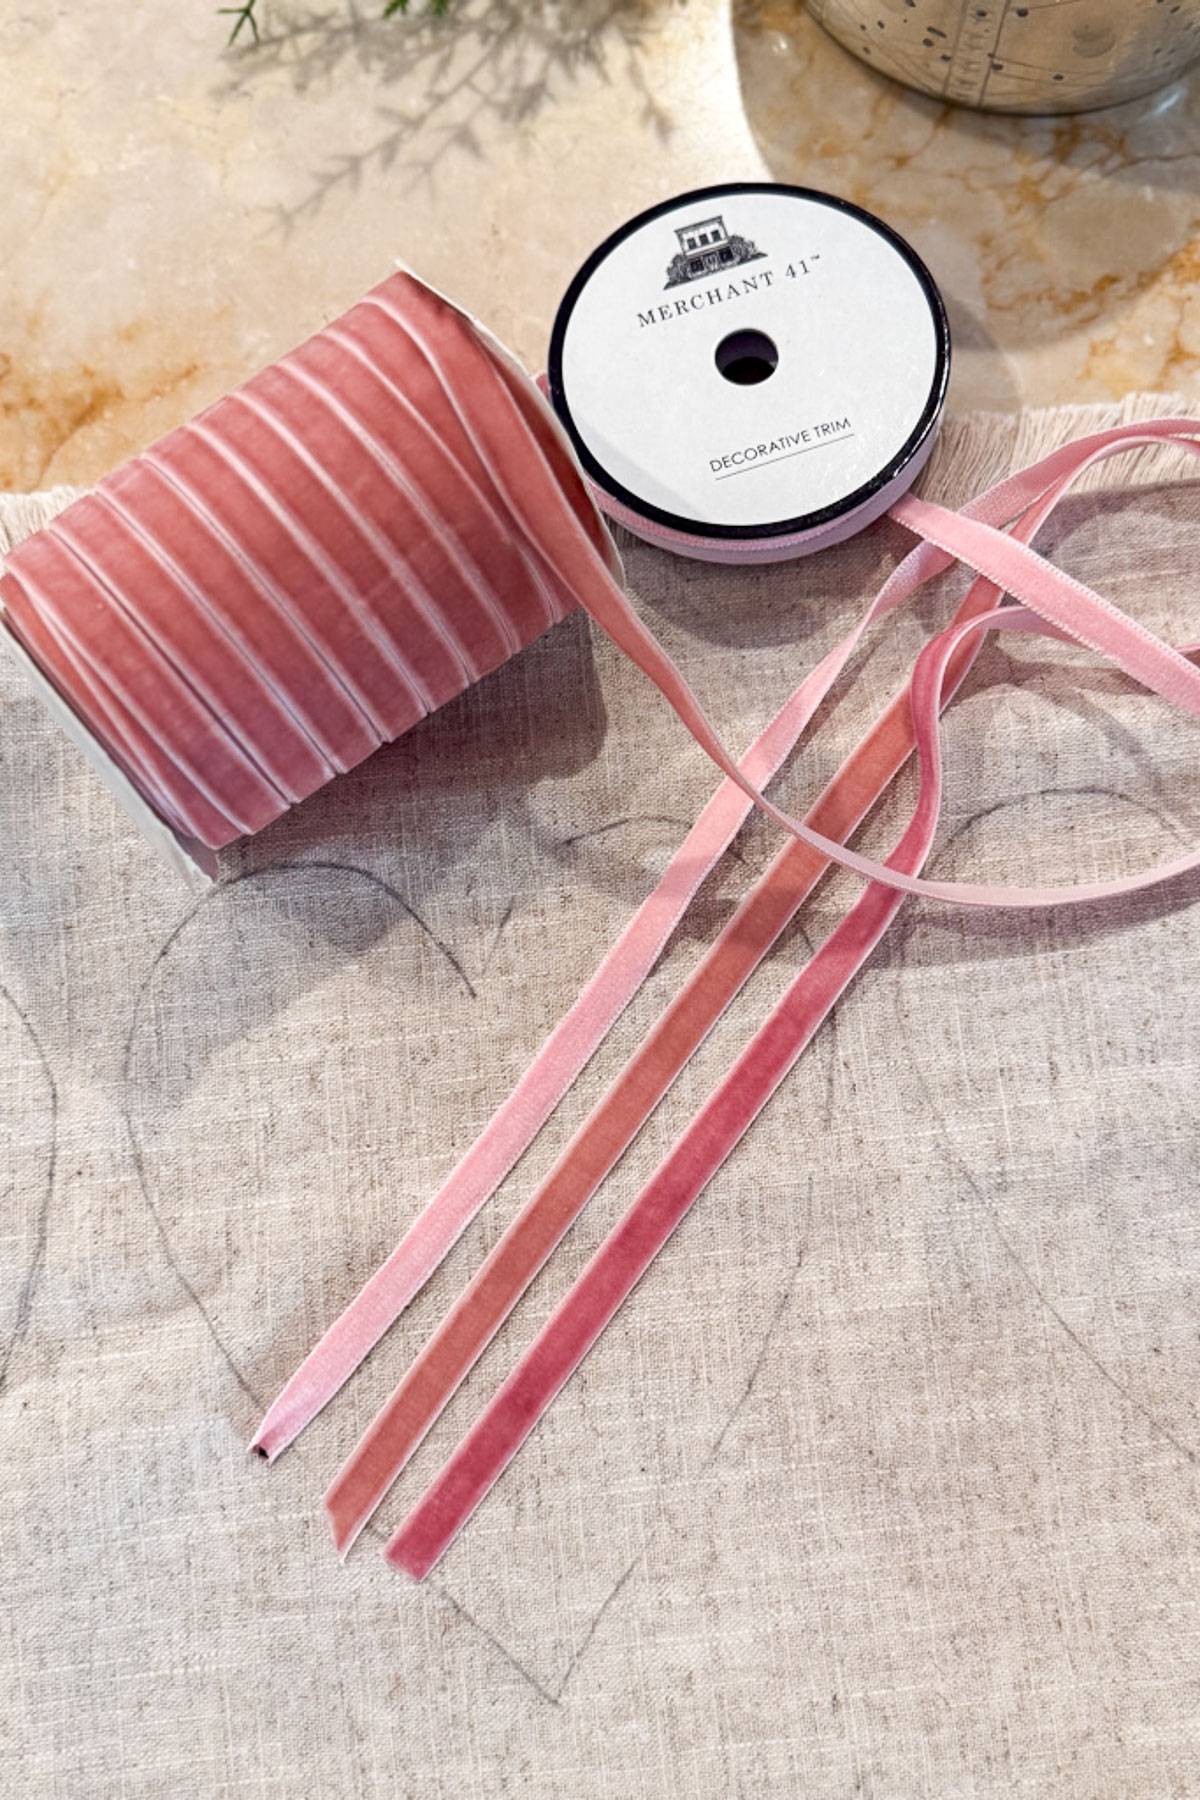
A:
x: 474, y: 67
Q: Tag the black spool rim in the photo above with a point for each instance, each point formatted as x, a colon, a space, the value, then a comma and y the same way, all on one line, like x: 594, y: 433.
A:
x: 838, y: 509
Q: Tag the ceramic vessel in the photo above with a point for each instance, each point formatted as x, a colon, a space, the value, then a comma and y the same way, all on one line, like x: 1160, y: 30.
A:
x: 1022, y: 56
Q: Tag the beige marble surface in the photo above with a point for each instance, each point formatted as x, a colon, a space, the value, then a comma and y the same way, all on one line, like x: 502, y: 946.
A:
x: 173, y: 215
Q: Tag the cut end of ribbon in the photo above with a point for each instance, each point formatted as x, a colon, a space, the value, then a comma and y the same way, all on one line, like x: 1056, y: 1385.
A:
x: 407, y: 1558
x: 342, y: 1529
x: 268, y: 1441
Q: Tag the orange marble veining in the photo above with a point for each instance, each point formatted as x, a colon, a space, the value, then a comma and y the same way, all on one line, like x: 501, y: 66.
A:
x: 175, y: 217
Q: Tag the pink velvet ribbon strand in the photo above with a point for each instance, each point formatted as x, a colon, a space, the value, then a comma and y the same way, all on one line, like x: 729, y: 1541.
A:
x: 625, y: 1255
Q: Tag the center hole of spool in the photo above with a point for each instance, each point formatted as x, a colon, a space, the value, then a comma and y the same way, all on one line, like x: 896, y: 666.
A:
x: 747, y: 357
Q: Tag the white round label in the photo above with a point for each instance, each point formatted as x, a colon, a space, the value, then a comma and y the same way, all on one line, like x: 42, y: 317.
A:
x: 747, y: 357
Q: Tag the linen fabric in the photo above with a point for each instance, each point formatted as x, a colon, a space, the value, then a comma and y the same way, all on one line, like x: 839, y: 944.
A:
x: 884, y: 1475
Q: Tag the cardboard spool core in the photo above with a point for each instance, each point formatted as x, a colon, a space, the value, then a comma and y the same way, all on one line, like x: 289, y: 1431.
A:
x: 194, y: 861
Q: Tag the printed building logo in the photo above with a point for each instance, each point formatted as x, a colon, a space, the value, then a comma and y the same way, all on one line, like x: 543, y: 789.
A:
x: 705, y: 248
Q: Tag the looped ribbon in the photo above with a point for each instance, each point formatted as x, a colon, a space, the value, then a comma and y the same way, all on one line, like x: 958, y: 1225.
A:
x: 1057, y: 607
x: 362, y: 530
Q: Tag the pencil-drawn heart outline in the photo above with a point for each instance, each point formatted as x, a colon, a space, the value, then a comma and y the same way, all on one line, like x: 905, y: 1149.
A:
x: 35, y: 1197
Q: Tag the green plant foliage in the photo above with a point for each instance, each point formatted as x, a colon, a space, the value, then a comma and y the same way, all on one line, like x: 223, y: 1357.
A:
x: 241, y: 16
x: 245, y: 16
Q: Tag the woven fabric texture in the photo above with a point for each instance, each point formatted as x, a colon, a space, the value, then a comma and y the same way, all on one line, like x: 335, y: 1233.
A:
x: 884, y: 1482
